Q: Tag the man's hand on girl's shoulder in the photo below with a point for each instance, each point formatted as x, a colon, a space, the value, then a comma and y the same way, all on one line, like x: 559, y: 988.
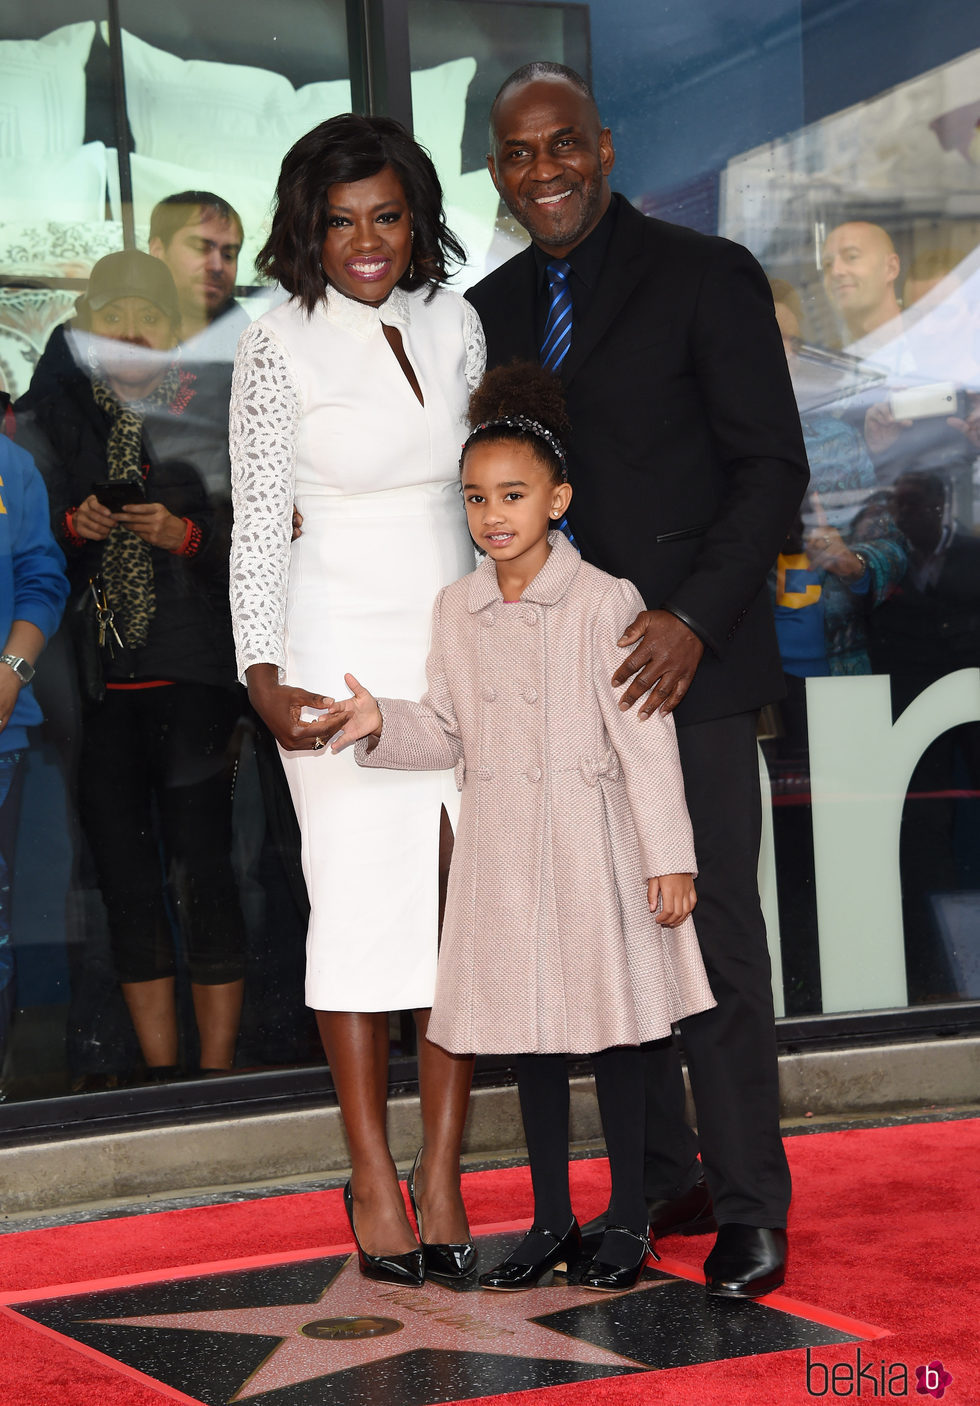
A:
x: 665, y: 658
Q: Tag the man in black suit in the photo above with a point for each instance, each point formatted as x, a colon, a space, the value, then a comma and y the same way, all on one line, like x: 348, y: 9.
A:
x: 688, y: 466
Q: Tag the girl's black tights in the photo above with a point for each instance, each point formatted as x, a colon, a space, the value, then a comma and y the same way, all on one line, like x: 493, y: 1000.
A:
x: 542, y: 1082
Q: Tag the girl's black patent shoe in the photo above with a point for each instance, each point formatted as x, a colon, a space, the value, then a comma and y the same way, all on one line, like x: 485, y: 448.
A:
x: 511, y: 1274
x: 614, y: 1278
x: 390, y: 1269
x: 442, y: 1261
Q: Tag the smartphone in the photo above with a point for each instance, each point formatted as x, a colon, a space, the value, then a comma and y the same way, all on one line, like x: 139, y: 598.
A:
x: 922, y: 402
x: 114, y: 494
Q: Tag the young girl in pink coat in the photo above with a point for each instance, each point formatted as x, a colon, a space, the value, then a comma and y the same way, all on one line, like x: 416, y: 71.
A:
x: 567, y: 926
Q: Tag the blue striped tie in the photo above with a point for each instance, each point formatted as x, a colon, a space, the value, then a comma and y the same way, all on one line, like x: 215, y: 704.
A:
x: 558, y: 325
x: 558, y: 333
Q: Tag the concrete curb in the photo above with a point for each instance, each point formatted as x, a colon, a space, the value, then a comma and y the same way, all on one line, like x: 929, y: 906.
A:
x: 264, y: 1147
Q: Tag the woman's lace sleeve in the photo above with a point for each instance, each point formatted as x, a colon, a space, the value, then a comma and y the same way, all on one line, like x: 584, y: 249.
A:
x: 262, y: 432
x: 476, y: 346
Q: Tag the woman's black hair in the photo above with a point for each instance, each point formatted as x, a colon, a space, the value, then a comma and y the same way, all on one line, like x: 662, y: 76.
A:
x: 523, y: 402
x: 338, y: 152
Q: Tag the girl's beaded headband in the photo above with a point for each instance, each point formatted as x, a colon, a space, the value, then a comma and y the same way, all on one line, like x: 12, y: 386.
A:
x: 528, y: 426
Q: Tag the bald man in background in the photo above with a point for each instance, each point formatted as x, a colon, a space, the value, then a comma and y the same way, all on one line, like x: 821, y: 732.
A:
x: 860, y: 270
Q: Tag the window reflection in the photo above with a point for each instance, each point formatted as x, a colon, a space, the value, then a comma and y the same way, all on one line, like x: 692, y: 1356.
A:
x: 880, y: 233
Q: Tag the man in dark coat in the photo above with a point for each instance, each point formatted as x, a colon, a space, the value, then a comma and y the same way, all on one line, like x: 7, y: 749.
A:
x: 688, y: 466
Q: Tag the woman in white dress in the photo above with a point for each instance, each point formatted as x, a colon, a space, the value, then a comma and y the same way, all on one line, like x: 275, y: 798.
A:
x: 349, y: 402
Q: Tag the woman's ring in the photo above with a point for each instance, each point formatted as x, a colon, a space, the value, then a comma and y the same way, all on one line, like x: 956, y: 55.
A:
x: 318, y: 743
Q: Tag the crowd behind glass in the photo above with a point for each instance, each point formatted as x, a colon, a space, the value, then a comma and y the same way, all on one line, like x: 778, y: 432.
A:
x: 181, y: 925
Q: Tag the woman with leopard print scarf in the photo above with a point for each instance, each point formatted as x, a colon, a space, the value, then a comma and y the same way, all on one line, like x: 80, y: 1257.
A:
x: 137, y: 472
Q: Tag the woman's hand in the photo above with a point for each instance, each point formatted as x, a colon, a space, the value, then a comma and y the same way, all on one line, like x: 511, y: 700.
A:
x: 279, y: 705
x: 154, y: 524
x: 881, y: 429
x: 360, y: 716
x: 93, y: 521
x: 827, y: 549
x: 678, y: 895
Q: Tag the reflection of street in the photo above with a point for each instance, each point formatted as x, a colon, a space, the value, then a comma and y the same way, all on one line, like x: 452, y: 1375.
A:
x: 893, y: 449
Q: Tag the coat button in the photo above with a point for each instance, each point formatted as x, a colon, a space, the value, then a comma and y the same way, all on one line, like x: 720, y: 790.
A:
x: 487, y: 618
x: 533, y: 773
x: 485, y: 773
x: 489, y: 695
x: 530, y: 617
x: 529, y: 694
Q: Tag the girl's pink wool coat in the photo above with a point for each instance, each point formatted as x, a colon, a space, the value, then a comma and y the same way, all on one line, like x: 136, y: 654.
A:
x: 568, y: 807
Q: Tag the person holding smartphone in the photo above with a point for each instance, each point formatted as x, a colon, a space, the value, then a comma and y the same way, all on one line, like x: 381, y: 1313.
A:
x: 128, y: 448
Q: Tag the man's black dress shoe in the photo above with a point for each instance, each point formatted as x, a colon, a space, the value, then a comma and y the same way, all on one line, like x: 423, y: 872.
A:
x: 390, y: 1269
x: 746, y: 1262
x: 614, y: 1278
x: 513, y: 1273
x: 690, y: 1213
x: 443, y: 1261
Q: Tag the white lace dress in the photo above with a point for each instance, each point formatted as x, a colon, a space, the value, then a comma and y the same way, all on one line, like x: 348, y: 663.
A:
x: 323, y: 415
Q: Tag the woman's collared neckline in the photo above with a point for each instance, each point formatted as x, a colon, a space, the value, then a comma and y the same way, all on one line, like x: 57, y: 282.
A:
x: 363, y: 319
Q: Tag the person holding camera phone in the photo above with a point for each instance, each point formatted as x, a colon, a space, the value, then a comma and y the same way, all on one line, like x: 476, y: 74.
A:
x: 921, y: 418
x: 127, y: 444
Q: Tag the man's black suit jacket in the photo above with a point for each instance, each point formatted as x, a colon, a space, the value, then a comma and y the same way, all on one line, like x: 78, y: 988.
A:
x: 686, y: 454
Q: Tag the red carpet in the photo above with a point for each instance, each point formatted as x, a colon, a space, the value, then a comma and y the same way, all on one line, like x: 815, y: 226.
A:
x: 883, y: 1230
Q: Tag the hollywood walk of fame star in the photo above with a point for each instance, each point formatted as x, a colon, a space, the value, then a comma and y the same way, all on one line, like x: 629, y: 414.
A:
x: 385, y: 1321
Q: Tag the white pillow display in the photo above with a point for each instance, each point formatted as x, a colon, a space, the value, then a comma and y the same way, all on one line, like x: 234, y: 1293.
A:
x: 42, y: 93
x: 210, y: 115
x: 67, y: 188
x: 471, y: 212
x: 218, y: 115
x: 56, y: 248
x: 439, y: 112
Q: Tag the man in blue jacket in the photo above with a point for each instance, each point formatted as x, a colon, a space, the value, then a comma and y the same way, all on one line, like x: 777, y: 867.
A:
x: 33, y: 590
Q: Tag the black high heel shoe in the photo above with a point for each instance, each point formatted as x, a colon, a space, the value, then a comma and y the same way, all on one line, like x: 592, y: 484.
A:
x: 614, y: 1278
x: 511, y: 1274
x: 390, y: 1269
x: 442, y: 1261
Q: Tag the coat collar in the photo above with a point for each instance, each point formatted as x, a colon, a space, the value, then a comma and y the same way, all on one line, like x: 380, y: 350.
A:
x: 547, y: 588
x: 363, y: 319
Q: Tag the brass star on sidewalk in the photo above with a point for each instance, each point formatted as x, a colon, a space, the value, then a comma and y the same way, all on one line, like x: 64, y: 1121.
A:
x: 357, y: 1321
